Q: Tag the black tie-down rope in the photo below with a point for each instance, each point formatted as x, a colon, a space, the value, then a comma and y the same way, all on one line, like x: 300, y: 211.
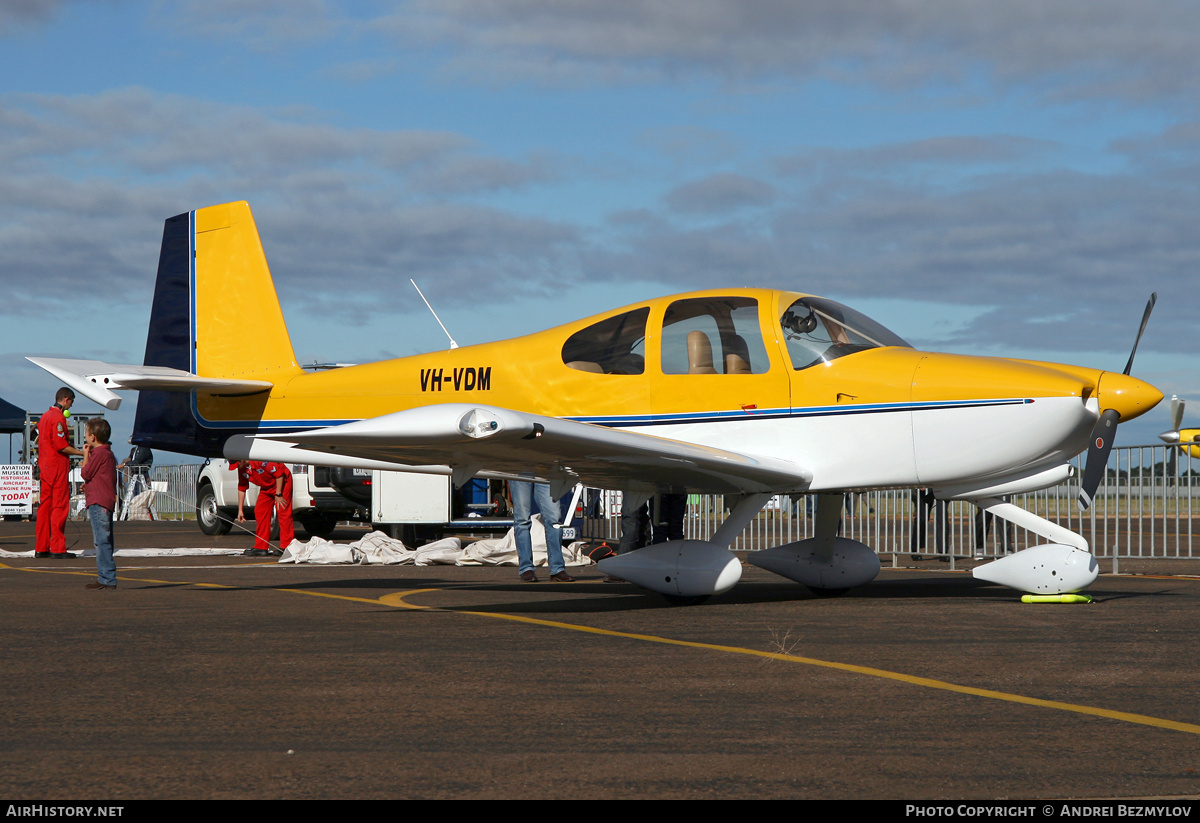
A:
x: 234, y: 523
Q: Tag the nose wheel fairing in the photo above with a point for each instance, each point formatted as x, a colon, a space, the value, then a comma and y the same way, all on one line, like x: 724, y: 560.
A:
x: 1049, y: 569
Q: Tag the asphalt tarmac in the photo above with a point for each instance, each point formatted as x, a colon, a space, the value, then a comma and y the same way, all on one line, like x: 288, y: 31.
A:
x: 230, y: 677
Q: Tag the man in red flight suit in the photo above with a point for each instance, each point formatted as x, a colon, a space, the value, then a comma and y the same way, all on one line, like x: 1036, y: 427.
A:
x: 274, y: 482
x: 54, y: 468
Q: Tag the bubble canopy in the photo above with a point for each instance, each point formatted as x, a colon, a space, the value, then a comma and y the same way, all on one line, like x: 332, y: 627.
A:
x: 819, y: 330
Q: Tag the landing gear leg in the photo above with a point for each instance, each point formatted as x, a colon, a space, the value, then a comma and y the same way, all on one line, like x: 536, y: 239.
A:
x: 1065, y: 565
x: 745, y: 510
x: 688, y: 571
x: 829, y: 523
x: 1029, y: 520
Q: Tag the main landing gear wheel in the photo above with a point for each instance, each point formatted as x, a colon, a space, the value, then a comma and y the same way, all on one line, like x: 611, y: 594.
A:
x: 319, y: 524
x: 684, y: 600
x: 827, y: 593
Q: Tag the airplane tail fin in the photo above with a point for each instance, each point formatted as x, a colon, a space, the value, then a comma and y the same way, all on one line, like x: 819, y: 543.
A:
x: 215, y: 314
x: 239, y: 325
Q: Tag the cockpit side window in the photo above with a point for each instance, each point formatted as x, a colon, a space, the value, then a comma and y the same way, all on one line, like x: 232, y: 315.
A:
x: 713, y: 335
x: 612, y: 346
x: 819, y: 331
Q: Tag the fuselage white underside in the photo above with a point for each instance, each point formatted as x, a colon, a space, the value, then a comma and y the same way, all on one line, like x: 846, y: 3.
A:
x: 890, y: 448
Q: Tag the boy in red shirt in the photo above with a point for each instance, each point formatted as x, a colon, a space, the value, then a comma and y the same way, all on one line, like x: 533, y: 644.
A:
x: 100, y: 494
x: 274, y: 481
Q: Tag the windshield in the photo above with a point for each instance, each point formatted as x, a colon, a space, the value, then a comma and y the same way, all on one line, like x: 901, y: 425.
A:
x: 819, y: 331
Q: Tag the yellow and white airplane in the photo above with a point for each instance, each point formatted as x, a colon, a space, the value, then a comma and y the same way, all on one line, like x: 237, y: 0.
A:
x: 1186, y: 439
x: 746, y: 392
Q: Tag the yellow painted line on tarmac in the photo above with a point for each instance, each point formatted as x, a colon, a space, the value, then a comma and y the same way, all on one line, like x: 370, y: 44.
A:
x: 398, y: 600
x: 92, y: 574
x: 372, y: 601
x: 46, y: 571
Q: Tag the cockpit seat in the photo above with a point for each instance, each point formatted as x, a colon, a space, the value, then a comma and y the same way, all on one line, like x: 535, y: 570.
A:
x: 585, y: 365
x: 737, y: 356
x: 632, y: 363
x: 699, y: 350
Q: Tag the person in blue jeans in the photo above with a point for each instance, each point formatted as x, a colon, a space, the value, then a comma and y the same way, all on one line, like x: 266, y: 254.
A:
x: 523, y: 493
x: 100, y: 493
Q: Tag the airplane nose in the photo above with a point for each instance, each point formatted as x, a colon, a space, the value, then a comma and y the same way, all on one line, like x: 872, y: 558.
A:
x: 1127, y: 395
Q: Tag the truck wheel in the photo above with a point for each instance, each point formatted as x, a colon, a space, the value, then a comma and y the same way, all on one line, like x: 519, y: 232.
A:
x: 396, y: 531
x: 412, y: 535
x: 208, y: 515
x: 319, y: 524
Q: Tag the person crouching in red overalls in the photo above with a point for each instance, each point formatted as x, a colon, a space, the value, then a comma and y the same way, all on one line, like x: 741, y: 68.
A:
x: 274, y: 482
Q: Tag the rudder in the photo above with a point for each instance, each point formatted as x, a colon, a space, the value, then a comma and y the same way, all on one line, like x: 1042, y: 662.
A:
x: 238, y: 323
x: 215, y: 314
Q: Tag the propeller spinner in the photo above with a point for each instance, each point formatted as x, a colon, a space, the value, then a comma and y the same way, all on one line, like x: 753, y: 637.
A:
x: 1172, y: 436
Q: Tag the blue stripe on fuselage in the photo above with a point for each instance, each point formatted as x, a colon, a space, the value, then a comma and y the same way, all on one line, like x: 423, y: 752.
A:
x: 637, y: 421
x: 815, y: 411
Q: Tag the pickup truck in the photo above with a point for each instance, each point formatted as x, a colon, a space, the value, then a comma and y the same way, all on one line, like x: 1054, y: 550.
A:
x: 316, y: 509
x: 415, y: 507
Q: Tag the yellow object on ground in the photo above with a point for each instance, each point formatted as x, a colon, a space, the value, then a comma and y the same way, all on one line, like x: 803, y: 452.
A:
x: 1056, y: 598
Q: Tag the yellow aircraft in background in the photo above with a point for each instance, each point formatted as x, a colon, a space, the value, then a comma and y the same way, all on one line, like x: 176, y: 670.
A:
x: 743, y: 391
x: 1186, y: 439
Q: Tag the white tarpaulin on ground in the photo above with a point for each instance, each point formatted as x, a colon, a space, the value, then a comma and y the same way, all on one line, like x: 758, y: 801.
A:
x: 83, y: 550
x: 377, y: 547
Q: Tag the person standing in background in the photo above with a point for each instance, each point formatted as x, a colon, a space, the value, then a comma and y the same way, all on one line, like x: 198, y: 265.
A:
x: 54, y: 469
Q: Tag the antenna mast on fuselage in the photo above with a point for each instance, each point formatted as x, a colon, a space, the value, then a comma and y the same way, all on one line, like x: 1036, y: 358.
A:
x: 453, y: 344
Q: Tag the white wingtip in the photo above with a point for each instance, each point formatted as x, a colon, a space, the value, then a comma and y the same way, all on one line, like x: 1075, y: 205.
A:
x: 79, y: 382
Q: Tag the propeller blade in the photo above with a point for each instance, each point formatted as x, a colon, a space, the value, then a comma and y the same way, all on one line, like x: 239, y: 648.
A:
x: 1176, y: 412
x: 1145, y: 320
x: 1101, y: 444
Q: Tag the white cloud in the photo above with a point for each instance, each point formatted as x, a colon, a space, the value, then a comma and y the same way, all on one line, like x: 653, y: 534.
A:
x: 90, y: 178
x: 1103, y: 48
x: 16, y: 15
x: 264, y: 25
x: 719, y: 193
x: 1066, y: 259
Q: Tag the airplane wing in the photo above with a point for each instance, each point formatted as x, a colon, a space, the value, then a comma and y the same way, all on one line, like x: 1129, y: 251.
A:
x: 96, y: 380
x: 473, y: 438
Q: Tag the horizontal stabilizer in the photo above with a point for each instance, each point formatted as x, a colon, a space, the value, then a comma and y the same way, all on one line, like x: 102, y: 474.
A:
x: 97, y: 380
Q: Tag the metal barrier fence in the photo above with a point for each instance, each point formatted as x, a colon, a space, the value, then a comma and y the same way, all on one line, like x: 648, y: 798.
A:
x: 179, y: 500
x: 1145, y: 507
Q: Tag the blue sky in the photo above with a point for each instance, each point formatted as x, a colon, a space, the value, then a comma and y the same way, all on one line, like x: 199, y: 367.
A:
x: 1009, y: 179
